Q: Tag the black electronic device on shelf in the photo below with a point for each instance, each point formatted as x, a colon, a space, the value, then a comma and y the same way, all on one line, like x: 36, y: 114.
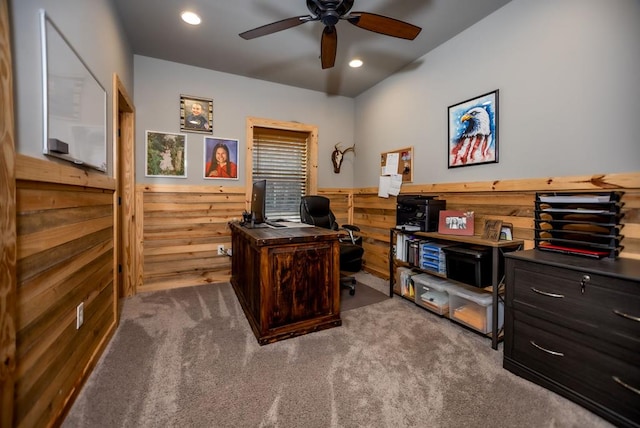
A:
x: 584, y: 224
x: 418, y: 211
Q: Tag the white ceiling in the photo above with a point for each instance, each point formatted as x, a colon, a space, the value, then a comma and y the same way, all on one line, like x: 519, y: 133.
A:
x: 291, y: 56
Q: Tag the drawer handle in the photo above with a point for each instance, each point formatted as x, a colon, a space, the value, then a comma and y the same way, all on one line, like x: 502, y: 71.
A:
x: 559, y: 354
x: 627, y: 316
x: 629, y: 387
x: 544, y: 293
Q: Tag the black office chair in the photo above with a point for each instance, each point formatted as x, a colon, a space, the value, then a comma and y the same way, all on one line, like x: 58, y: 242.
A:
x: 315, y: 210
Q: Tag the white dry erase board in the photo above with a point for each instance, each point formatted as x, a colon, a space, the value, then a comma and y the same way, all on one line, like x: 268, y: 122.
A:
x: 74, y: 103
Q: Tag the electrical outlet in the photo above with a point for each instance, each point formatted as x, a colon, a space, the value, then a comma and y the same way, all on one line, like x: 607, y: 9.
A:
x: 79, y: 315
x: 221, y: 251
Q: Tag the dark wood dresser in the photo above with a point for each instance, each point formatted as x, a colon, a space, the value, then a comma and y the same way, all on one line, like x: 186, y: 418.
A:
x: 572, y: 325
x: 287, y: 279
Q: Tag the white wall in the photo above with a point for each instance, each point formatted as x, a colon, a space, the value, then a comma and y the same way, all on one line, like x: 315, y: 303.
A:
x: 93, y: 30
x: 159, y: 84
x: 567, y: 71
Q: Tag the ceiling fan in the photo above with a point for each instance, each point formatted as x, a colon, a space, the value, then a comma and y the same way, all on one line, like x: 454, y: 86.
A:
x: 329, y: 12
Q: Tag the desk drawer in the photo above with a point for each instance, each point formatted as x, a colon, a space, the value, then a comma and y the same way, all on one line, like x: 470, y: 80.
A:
x: 601, y: 377
x: 609, y: 308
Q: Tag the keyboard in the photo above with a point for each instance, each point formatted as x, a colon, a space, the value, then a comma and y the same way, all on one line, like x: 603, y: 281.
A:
x: 275, y: 224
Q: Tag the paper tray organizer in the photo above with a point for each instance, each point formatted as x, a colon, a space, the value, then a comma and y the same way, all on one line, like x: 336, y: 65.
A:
x: 585, y: 224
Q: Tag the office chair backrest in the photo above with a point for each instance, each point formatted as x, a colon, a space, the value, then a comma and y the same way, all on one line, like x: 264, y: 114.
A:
x: 315, y: 210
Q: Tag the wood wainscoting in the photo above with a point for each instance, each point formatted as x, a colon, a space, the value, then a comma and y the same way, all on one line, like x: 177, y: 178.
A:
x: 180, y: 228
x: 511, y: 201
x: 65, y: 256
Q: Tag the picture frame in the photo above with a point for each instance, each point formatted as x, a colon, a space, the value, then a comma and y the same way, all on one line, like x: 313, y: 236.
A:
x: 165, y: 155
x: 492, y: 229
x: 473, y: 131
x: 506, y: 232
x: 196, y: 114
x: 456, y: 222
x: 220, y: 149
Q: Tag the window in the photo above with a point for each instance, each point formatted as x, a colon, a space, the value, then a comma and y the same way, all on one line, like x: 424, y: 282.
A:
x: 283, y: 153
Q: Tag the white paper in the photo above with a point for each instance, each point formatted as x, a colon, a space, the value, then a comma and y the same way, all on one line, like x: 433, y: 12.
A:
x: 391, y: 166
x: 383, y: 187
x: 400, y: 239
x: 395, y: 184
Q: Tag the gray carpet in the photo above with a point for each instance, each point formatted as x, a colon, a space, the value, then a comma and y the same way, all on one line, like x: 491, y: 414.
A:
x: 187, y: 358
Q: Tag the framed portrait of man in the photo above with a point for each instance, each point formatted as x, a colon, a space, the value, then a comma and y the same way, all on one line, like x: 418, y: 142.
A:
x: 196, y: 114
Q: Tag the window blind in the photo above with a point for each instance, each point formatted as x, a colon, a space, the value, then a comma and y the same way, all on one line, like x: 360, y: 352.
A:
x: 281, y: 158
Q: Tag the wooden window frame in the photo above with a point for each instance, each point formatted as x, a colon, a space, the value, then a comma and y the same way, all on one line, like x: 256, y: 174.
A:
x: 312, y: 132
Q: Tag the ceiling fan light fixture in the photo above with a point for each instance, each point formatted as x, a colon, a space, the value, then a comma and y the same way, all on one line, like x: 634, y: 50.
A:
x: 355, y: 63
x: 330, y: 18
x: 329, y: 13
x: 190, y: 17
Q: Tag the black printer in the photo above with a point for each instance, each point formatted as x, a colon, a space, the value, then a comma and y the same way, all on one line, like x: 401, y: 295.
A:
x: 413, y: 211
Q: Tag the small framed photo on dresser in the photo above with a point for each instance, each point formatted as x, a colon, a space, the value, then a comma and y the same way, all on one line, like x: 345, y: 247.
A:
x: 506, y: 232
x: 456, y: 222
x: 491, y: 230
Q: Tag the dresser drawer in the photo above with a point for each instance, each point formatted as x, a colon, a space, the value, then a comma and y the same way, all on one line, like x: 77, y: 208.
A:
x: 608, y: 308
x: 600, y: 377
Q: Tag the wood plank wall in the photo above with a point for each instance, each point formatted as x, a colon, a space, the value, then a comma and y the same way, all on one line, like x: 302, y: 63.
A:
x: 511, y: 201
x: 181, y: 229
x: 183, y: 225
x: 8, y: 242
x: 65, y: 241
x: 65, y: 246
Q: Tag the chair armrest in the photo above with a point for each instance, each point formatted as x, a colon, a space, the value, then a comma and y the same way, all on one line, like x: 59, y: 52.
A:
x: 349, y: 229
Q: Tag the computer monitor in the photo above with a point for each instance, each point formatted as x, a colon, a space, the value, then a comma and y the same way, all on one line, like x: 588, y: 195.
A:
x: 258, y: 201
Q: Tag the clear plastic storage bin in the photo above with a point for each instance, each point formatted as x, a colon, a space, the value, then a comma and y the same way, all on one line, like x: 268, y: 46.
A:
x: 473, y: 309
x: 432, y: 292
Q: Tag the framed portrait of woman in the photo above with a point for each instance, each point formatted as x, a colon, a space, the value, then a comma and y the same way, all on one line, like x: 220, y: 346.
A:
x: 220, y: 158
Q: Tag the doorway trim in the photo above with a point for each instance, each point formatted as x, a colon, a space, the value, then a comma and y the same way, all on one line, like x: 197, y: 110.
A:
x: 124, y: 172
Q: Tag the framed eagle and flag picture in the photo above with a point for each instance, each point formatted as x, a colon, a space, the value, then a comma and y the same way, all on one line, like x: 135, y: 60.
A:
x: 473, y: 131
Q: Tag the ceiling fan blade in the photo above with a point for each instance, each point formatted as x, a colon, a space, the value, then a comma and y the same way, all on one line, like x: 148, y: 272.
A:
x: 328, y: 46
x: 274, y: 27
x: 384, y: 25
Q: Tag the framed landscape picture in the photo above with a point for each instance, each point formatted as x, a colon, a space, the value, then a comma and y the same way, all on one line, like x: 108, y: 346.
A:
x: 473, y: 131
x: 165, y: 155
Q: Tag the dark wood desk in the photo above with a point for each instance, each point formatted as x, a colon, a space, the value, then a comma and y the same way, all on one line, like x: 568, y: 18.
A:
x: 286, y: 279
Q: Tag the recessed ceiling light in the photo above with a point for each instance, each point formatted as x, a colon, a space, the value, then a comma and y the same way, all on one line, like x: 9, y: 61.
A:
x: 355, y: 63
x: 190, y: 18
